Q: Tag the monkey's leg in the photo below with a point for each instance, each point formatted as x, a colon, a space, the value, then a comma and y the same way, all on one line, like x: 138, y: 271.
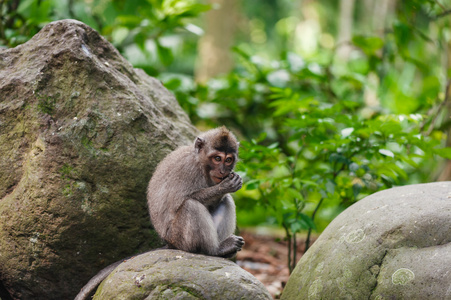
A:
x: 224, y: 218
x: 193, y: 230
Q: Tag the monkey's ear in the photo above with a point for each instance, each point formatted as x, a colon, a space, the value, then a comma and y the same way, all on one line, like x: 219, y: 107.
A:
x: 199, y: 144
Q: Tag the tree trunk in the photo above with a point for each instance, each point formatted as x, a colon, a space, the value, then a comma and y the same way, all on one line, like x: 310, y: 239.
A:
x: 214, y: 47
x: 376, y: 14
x: 345, y: 28
x: 383, y: 9
x: 445, y: 174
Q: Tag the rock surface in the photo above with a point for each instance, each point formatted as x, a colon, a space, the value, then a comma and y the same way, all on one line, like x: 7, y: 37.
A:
x: 174, y: 274
x: 81, y: 132
x: 394, y: 244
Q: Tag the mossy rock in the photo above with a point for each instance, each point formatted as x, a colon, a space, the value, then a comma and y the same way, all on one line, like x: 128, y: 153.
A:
x: 394, y: 244
x: 81, y: 132
x: 174, y: 274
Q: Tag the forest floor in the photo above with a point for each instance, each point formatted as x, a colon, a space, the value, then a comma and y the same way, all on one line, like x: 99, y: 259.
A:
x: 266, y: 257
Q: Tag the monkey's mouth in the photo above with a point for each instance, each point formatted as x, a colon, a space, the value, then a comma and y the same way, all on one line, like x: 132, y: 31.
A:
x: 218, y: 179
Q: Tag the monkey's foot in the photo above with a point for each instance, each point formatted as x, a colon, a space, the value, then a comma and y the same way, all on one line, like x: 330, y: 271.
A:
x: 230, y: 246
x: 239, y: 242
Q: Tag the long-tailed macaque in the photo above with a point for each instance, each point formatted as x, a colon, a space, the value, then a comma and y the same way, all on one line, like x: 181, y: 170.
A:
x: 189, y: 202
x: 188, y: 196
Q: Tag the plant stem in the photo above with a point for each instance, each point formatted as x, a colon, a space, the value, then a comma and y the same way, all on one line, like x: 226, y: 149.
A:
x: 288, y: 235
x: 295, y: 250
x: 307, y: 241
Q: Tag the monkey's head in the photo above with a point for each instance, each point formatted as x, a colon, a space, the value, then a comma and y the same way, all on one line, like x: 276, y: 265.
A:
x: 218, y: 152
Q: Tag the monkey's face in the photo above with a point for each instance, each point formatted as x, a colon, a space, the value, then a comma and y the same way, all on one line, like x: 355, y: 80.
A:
x: 217, y: 152
x: 221, y: 164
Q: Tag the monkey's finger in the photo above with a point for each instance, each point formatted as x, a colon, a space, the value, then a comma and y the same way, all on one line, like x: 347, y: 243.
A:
x: 239, y: 239
x: 239, y: 244
x: 236, y: 177
x: 238, y: 181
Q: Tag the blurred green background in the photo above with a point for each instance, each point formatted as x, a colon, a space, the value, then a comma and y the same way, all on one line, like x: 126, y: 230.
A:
x: 333, y: 99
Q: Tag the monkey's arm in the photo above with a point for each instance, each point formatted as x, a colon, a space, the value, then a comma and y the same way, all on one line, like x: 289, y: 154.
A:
x: 212, y: 195
x: 208, y: 196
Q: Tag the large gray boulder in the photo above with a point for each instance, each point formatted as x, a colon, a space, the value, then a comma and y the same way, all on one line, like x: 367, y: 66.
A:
x: 81, y: 132
x: 394, y: 244
x: 174, y: 274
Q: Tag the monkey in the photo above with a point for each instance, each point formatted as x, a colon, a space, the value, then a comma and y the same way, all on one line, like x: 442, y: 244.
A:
x: 188, y: 196
x: 189, y: 200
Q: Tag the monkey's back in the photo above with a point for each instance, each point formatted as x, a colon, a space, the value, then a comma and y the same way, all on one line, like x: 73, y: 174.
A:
x: 175, y: 178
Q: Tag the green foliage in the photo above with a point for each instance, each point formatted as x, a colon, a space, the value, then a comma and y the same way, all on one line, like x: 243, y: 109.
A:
x: 150, y: 27
x: 325, y: 152
x: 319, y: 133
x: 147, y: 32
x: 326, y: 141
x: 20, y: 20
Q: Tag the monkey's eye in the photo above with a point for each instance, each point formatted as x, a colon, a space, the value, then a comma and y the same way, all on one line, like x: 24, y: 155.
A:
x: 217, y: 158
x: 228, y: 160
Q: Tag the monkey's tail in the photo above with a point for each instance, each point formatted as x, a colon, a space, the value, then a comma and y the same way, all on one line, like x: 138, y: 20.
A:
x: 96, y: 280
x: 92, y: 284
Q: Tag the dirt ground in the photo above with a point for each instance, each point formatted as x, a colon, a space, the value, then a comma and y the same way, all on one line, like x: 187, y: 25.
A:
x: 266, y: 258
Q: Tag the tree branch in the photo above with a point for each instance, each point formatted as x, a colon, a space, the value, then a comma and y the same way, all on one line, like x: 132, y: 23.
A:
x: 439, y: 108
x: 443, y: 14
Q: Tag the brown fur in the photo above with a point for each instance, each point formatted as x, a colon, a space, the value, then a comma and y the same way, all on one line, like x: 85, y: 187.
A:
x: 188, y: 210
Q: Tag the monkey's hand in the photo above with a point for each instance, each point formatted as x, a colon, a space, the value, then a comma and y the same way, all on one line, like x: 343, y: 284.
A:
x: 231, y: 183
x: 211, y: 196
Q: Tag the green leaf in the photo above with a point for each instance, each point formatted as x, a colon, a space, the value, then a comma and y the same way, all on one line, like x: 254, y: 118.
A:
x: 386, y: 152
x: 119, y: 35
x: 129, y: 20
x: 356, y: 188
x: 25, y: 6
x: 330, y: 187
x: 194, y: 29
x: 252, y: 184
x: 173, y: 83
x: 443, y: 152
x: 369, y: 45
x: 297, y: 226
x: 308, y: 183
x: 346, y: 132
x: 295, y: 194
x: 165, y: 54
x: 308, y: 220
x: 403, y: 34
